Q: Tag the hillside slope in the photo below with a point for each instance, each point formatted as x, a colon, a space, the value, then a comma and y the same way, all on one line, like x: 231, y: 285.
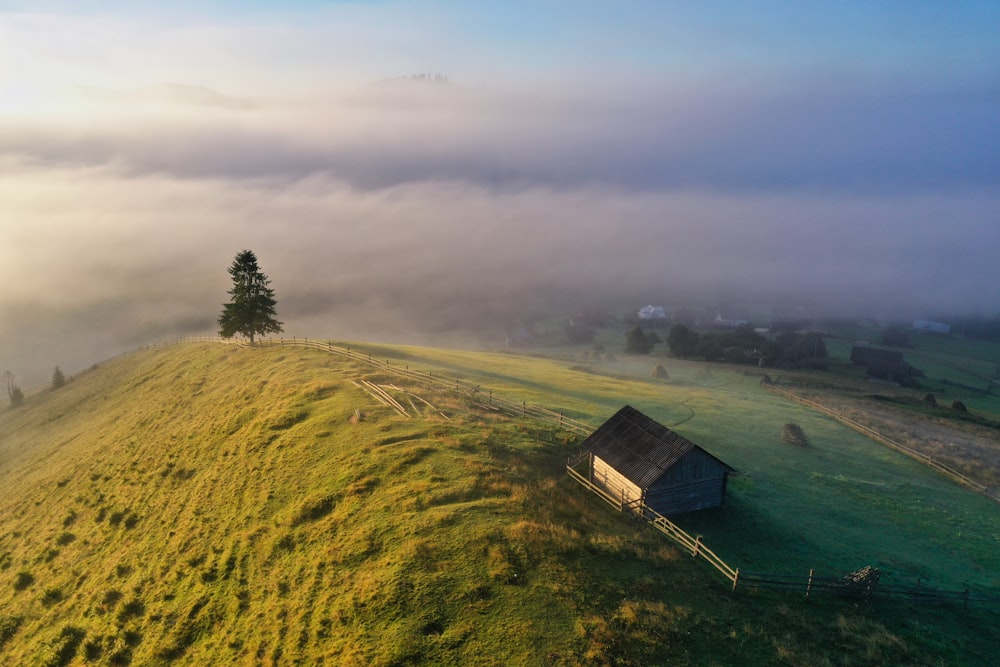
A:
x: 210, y: 505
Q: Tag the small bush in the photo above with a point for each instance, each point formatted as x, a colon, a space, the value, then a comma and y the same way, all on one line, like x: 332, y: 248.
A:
x: 23, y: 580
x: 65, y: 538
x: 959, y: 406
x: 66, y: 646
x: 134, y: 608
x: 52, y: 596
x: 9, y: 626
x: 111, y: 598
x: 315, y: 508
x: 93, y: 649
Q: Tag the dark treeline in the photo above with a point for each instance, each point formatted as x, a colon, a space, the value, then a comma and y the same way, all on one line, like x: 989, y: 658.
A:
x: 977, y: 327
x: 743, y: 345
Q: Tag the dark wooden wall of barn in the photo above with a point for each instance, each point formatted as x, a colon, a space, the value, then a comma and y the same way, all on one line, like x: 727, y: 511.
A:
x: 697, y: 481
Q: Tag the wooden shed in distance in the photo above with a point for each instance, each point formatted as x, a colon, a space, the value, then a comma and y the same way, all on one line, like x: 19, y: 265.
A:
x: 635, y: 459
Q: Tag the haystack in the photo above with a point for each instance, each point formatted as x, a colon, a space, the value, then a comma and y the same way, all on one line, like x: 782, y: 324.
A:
x: 660, y: 372
x: 792, y: 434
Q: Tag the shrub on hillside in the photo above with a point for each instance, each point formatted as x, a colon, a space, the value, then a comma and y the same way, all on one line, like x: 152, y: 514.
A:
x: 8, y: 627
x: 23, y: 580
x: 58, y: 379
x: 682, y: 341
x: 638, y: 341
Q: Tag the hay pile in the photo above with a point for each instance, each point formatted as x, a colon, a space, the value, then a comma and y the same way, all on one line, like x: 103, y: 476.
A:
x: 792, y: 434
x: 659, y: 372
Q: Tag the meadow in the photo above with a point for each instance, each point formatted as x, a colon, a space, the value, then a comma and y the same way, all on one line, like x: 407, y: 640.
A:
x: 204, y: 504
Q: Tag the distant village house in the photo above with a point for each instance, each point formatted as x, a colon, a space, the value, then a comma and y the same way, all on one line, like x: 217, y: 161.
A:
x: 654, y: 316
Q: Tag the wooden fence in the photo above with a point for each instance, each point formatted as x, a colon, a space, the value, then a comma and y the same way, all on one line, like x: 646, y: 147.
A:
x: 483, y: 398
x: 959, y: 477
x: 865, y: 585
x: 693, y: 545
x: 866, y: 589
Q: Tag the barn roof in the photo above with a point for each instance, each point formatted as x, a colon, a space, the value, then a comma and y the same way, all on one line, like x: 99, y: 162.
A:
x: 639, y: 447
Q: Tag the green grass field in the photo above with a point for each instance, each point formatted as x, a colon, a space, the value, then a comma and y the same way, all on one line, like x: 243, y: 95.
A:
x: 201, y: 504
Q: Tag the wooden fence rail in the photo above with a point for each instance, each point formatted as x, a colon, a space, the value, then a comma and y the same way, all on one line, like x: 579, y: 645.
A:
x: 813, y: 585
x: 693, y: 545
x: 931, y: 462
x: 485, y: 398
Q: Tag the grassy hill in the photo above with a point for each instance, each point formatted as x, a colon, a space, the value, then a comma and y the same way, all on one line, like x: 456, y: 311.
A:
x: 201, y: 504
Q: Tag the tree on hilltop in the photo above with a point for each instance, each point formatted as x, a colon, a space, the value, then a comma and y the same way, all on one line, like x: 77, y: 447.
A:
x: 251, y: 312
x: 58, y: 378
x: 14, y: 392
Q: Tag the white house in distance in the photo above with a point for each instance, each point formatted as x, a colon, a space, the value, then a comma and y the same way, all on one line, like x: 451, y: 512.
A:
x: 926, y: 326
x: 653, y: 314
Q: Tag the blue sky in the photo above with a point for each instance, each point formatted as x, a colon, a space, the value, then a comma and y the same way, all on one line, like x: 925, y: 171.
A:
x: 835, y: 154
x: 941, y: 41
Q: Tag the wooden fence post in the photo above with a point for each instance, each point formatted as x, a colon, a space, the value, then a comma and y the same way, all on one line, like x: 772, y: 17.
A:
x: 809, y: 585
x: 736, y: 579
x: 869, y: 589
x: 697, y: 546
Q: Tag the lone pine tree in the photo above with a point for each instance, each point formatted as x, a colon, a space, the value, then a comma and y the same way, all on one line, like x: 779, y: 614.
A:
x: 251, y: 312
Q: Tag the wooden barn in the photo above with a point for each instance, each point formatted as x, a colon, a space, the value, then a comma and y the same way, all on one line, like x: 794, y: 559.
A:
x: 634, y: 458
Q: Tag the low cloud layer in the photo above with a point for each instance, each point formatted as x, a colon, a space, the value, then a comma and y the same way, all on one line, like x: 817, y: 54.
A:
x: 405, y: 209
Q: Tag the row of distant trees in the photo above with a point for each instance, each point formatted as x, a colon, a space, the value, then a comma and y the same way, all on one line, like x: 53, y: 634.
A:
x: 741, y: 345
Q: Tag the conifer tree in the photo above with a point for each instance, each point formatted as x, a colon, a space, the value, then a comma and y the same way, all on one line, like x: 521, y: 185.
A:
x: 13, y: 391
x: 251, y: 312
x: 58, y: 378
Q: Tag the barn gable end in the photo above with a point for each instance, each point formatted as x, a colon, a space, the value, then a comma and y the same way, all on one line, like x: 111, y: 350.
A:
x: 635, y: 458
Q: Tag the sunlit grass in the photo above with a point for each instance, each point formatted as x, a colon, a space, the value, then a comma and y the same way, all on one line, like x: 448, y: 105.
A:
x: 207, y: 505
